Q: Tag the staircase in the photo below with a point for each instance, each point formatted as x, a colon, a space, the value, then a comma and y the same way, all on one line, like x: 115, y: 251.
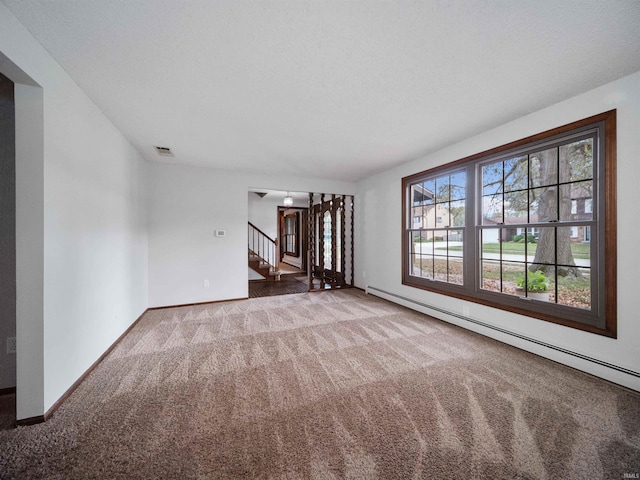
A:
x: 262, y: 253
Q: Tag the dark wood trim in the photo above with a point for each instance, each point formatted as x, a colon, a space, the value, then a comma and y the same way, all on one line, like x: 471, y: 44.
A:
x: 25, y: 422
x: 7, y: 391
x: 328, y: 289
x: 197, y: 303
x: 606, y: 116
x: 334, y: 238
x: 321, y: 240
x: 291, y: 265
x: 49, y: 413
x: 353, y: 254
x: 610, y: 225
x: 311, y: 261
x: 343, y: 246
x: 304, y: 213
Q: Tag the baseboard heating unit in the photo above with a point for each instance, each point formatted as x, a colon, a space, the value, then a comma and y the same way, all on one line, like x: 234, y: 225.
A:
x: 383, y: 294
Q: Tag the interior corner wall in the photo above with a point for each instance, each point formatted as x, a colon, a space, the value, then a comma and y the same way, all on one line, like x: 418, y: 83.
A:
x: 379, y: 221
x: 81, y: 213
x: 7, y: 231
x: 186, y: 206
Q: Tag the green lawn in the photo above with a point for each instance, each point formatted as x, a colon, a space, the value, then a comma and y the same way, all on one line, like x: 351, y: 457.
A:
x: 580, y: 250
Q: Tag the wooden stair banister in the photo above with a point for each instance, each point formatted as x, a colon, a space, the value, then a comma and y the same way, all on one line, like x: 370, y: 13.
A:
x: 262, y: 252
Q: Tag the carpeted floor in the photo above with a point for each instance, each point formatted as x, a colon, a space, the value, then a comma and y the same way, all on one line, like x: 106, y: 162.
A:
x: 7, y: 411
x: 326, y: 385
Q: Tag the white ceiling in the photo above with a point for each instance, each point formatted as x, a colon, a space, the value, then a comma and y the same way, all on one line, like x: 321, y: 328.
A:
x: 330, y: 89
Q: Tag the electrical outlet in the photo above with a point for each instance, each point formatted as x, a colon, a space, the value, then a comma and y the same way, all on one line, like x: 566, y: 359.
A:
x: 466, y: 310
x: 205, y: 284
x: 11, y: 345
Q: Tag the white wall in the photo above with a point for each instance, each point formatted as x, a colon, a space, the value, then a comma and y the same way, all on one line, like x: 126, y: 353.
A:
x: 186, y: 206
x: 378, y: 239
x: 81, y: 225
x: 263, y: 212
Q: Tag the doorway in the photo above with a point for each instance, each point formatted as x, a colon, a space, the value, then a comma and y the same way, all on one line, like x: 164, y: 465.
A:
x: 292, y: 240
x: 7, y: 254
x: 312, y: 239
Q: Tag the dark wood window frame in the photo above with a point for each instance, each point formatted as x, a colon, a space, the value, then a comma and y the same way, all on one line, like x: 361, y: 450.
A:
x: 602, y: 319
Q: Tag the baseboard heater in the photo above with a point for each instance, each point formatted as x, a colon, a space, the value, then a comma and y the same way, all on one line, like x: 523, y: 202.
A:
x: 507, y: 332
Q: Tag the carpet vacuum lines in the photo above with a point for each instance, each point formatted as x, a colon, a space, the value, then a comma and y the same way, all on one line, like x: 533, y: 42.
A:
x: 326, y: 385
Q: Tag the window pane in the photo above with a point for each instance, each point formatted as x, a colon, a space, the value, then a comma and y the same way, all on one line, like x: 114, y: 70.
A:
x: 458, y: 185
x: 327, y: 240
x: 492, y: 209
x: 568, y: 203
x: 579, y: 195
x: 423, y: 193
x: 491, y: 275
x: 516, y: 207
x: 456, y: 270
x: 429, y: 216
x: 440, y: 268
x: 457, y: 213
x: 442, y: 189
x: 513, y: 249
x: 417, y: 197
x: 543, y: 168
x: 455, y: 242
x: 416, y: 215
x: 512, y: 273
x: 542, y: 248
x: 588, y: 205
x: 539, y: 283
x: 544, y: 204
x: 515, y: 174
x: 490, y: 243
x: 573, y: 250
x: 492, y: 178
x: 575, y: 291
x: 426, y: 266
x: 425, y: 243
x: 576, y: 161
x: 429, y: 191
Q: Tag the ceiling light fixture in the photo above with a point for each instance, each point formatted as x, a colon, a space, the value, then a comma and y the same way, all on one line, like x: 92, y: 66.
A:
x: 288, y: 200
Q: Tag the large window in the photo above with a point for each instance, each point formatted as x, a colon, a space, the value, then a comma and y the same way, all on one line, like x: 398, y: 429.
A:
x: 527, y: 227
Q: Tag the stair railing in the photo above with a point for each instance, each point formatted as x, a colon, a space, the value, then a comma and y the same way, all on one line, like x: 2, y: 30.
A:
x: 262, y: 246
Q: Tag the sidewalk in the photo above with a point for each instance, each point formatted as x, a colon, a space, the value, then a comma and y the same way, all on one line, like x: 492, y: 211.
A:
x: 439, y: 248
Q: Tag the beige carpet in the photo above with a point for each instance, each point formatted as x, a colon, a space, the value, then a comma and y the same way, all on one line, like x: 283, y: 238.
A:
x: 326, y: 385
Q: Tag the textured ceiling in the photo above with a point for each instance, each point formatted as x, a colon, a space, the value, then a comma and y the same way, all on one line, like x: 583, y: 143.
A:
x: 336, y: 90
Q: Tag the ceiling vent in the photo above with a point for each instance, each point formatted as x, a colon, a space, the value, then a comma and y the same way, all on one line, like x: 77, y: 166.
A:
x: 164, y: 151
